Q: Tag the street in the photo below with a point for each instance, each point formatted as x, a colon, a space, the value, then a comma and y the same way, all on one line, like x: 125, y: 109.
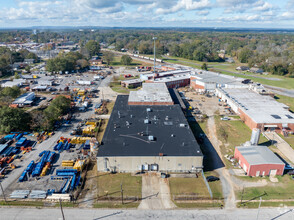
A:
x: 95, y: 214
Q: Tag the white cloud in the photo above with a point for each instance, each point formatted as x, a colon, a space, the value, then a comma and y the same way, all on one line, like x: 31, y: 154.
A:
x: 204, y: 12
x: 186, y: 5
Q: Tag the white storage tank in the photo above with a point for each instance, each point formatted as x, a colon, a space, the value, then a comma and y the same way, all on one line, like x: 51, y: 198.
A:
x: 255, y: 136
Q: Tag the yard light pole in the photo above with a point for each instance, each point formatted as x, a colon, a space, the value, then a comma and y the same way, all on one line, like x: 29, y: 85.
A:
x: 154, y: 39
x: 3, y: 192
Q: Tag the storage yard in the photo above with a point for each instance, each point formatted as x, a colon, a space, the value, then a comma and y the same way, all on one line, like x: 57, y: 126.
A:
x: 53, y: 165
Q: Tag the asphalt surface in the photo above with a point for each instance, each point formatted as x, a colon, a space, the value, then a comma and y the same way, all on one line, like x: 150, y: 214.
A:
x: 16, y: 213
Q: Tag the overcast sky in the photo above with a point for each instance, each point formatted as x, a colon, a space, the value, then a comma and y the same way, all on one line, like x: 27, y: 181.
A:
x: 148, y: 13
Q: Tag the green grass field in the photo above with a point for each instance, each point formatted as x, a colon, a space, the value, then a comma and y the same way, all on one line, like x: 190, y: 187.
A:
x: 188, y: 186
x: 283, y: 82
x: 286, y: 100
x: 284, y: 189
x: 110, y: 184
x: 116, y: 205
x: 236, y: 132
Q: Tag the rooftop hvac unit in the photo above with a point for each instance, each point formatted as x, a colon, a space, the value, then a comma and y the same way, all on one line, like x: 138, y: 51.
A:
x: 182, y: 125
x: 148, y: 109
x: 146, y: 121
x: 151, y: 138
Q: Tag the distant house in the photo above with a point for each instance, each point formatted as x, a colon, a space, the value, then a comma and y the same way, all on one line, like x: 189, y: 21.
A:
x: 95, y: 61
x: 29, y: 61
x: 230, y: 60
x: 242, y: 68
x: 256, y: 70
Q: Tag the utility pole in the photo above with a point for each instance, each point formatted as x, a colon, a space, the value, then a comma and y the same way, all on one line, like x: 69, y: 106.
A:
x: 242, y: 195
x: 3, y: 192
x: 61, y: 209
x: 258, y: 208
x: 154, y: 39
x: 122, y: 194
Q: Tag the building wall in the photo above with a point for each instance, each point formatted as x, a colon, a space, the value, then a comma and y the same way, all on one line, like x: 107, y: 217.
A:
x: 196, y: 86
x: 241, y: 160
x: 165, y: 163
x: 265, y: 169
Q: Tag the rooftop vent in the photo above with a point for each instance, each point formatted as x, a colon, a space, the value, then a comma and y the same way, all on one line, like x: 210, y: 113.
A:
x: 172, y: 135
x: 166, y: 117
x: 151, y: 138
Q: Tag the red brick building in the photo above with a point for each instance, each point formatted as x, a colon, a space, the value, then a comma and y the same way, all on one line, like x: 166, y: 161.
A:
x: 259, y: 161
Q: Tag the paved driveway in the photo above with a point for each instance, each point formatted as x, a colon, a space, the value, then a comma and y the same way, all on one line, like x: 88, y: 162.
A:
x: 155, y: 192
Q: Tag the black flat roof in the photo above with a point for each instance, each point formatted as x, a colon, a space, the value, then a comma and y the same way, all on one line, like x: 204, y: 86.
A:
x: 128, y: 133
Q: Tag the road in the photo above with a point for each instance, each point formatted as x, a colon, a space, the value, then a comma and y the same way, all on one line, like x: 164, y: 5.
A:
x: 213, y: 146
x: 155, y: 192
x: 16, y: 213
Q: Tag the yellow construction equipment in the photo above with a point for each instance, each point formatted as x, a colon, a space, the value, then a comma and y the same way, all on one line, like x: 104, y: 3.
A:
x: 45, y: 169
x: 67, y: 163
x: 79, y: 140
x: 79, y: 165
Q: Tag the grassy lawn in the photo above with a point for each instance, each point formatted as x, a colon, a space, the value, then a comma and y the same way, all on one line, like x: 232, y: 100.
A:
x: 117, y: 59
x: 102, y: 130
x: 188, y: 186
x: 284, y: 82
x: 110, y: 184
x: 115, y: 85
x: 286, y: 100
x: 233, y: 133
x: 254, y: 205
x: 216, y: 187
x: 116, y: 205
x: 284, y: 189
x: 211, y: 204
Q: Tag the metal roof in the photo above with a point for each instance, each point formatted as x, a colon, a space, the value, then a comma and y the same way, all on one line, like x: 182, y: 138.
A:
x: 151, y: 92
x: 256, y: 155
x: 127, y: 134
x: 260, y: 108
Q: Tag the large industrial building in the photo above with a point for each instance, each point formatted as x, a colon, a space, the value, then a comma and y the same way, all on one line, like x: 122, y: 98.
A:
x: 146, y: 133
x: 258, y: 111
x: 259, y: 161
x: 206, y: 81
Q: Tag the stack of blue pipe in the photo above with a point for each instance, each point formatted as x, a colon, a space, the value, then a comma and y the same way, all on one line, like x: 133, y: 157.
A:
x: 38, y: 169
x: 27, y: 171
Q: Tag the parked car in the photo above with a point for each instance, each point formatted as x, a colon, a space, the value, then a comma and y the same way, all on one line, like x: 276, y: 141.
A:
x: 212, y: 178
x: 225, y: 118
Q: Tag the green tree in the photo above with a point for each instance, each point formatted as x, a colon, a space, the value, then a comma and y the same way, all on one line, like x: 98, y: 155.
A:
x: 58, y: 107
x: 92, y: 47
x: 108, y: 57
x: 16, y: 76
x: 244, y: 55
x: 12, y: 92
x: 126, y: 60
x: 204, y: 66
x: 13, y: 119
x: 82, y: 63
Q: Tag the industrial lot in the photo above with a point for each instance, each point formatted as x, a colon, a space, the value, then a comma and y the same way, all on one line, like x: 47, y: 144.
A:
x: 175, y: 137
